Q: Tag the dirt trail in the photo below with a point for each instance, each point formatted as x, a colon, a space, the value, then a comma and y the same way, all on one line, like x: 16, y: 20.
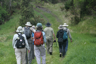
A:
x: 47, y: 11
x: 42, y: 14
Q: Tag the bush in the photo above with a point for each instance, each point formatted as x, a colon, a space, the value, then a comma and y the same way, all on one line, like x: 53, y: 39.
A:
x: 3, y: 15
x: 68, y: 4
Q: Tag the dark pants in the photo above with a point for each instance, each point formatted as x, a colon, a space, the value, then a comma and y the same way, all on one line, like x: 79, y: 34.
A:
x: 66, y: 47
x: 62, y: 48
x: 30, y: 55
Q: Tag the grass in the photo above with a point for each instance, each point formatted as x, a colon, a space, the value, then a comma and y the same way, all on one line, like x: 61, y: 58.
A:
x: 80, y: 51
x: 7, y: 55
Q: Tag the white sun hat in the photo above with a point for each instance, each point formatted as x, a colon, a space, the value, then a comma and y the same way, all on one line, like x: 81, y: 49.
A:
x: 28, y: 24
x: 33, y: 26
x: 19, y: 29
x: 64, y: 24
x: 60, y: 27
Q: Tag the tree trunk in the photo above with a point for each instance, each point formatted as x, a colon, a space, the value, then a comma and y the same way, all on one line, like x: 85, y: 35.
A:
x: 10, y: 6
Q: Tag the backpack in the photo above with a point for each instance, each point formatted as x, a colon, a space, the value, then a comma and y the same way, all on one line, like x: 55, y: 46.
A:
x: 38, y: 38
x: 65, y: 36
x: 60, y: 36
x: 20, y: 41
x: 27, y: 32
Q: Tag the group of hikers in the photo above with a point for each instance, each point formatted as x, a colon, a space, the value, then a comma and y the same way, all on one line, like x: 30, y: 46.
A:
x: 29, y: 42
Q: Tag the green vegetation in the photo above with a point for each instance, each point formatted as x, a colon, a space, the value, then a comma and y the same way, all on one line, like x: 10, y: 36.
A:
x: 80, y: 51
x: 80, y: 9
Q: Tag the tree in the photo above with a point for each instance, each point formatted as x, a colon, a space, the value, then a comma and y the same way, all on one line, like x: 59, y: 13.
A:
x: 26, y: 12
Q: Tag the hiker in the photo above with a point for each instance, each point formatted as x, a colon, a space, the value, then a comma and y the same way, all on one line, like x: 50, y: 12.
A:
x: 20, y: 50
x: 68, y: 33
x: 33, y: 40
x: 49, y: 32
x: 28, y: 31
x: 39, y: 46
x: 61, y: 42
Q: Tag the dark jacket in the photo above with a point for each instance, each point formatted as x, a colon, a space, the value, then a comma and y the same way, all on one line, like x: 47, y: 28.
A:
x: 60, y: 35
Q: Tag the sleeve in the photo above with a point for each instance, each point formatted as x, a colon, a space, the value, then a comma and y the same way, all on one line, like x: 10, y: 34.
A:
x: 23, y: 29
x: 52, y: 31
x: 27, y: 45
x: 44, y: 37
x: 57, y: 34
x: 69, y: 34
x: 33, y: 30
x: 13, y: 41
x: 32, y: 34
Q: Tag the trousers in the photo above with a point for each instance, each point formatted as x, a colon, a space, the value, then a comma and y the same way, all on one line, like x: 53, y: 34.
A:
x: 40, y: 53
x: 20, y: 55
x: 49, y: 45
x: 31, y: 54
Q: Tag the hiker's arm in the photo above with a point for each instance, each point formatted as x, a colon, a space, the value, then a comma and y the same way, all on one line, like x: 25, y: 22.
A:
x: 44, y: 37
x: 33, y: 30
x: 13, y: 41
x: 57, y: 35
x: 69, y: 35
x: 54, y: 36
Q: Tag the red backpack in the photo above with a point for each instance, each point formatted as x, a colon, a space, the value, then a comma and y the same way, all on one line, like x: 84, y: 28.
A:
x: 38, y: 38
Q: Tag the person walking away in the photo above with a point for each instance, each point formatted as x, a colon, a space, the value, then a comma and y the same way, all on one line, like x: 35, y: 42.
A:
x: 68, y: 33
x: 61, y: 42
x: 39, y: 46
x: 28, y: 31
x: 49, y: 32
x: 33, y: 41
x: 20, y: 44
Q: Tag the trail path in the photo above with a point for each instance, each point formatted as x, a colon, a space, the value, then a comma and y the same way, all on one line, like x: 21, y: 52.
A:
x: 47, y: 11
x: 42, y: 14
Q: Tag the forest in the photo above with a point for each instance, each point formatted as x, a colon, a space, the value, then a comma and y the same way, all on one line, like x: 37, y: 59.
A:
x: 78, y: 8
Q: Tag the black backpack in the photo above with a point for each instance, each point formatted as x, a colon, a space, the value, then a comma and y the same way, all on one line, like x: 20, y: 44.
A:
x: 60, y: 36
x: 27, y: 32
x: 20, y: 41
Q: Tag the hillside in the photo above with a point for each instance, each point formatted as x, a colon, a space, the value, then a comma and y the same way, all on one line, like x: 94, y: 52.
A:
x: 80, y: 51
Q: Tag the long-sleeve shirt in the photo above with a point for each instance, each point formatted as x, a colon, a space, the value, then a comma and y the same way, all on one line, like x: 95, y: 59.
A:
x: 44, y: 37
x: 14, y: 41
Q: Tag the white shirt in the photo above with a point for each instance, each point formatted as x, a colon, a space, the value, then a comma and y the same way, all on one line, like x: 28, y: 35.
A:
x: 14, y: 41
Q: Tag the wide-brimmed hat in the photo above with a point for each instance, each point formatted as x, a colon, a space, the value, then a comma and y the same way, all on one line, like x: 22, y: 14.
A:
x: 28, y: 24
x: 19, y: 29
x: 33, y: 26
x: 60, y: 27
x: 39, y: 25
x: 48, y: 24
x: 64, y: 24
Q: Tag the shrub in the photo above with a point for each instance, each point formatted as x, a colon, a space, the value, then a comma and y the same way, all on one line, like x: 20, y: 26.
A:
x: 68, y: 4
x: 3, y: 15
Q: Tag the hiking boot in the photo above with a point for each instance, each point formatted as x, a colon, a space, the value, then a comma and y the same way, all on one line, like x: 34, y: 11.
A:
x: 60, y: 55
x: 50, y: 53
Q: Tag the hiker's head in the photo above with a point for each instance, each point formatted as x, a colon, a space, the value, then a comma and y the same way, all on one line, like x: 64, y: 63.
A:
x: 33, y: 27
x: 64, y: 25
x: 39, y: 26
x: 48, y: 24
x: 60, y: 27
x: 19, y: 29
x: 28, y: 24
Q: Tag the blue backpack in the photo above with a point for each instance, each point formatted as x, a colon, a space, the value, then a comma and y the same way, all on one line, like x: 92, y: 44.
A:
x: 65, y: 36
